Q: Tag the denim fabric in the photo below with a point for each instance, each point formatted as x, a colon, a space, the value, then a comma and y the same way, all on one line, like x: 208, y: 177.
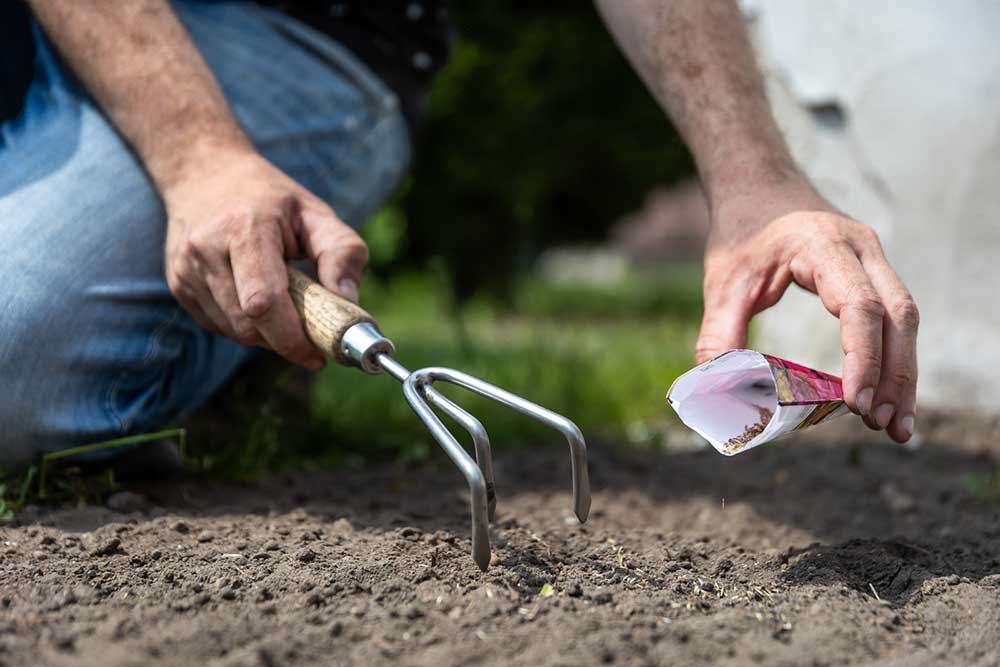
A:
x: 92, y: 344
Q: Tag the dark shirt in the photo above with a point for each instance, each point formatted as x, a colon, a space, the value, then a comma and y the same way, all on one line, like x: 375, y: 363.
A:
x: 17, y: 57
x: 405, y: 42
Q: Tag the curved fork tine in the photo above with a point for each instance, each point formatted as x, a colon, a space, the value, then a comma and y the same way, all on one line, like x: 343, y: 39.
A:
x: 473, y: 475
x: 577, y: 445
x: 481, y: 440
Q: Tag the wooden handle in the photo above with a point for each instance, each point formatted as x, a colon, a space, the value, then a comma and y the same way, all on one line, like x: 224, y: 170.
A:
x: 326, y: 316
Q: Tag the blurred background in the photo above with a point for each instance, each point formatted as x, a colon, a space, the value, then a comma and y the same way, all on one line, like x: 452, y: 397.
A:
x: 550, y: 234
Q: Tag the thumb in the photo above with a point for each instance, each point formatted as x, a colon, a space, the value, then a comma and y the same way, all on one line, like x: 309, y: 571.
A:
x: 723, y: 328
x: 340, y: 254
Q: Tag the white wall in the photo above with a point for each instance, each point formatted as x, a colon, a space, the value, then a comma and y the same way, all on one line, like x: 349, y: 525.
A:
x: 917, y: 157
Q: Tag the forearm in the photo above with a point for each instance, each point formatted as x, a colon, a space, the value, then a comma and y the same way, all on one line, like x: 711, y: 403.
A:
x: 138, y: 62
x: 696, y: 59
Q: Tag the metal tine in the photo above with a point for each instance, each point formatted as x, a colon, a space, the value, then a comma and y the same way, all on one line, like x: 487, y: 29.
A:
x: 578, y: 447
x: 480, y: 439
x: 473, y: 475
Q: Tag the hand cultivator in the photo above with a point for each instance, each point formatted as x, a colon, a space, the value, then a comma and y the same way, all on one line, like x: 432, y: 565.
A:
x: 346, y: 333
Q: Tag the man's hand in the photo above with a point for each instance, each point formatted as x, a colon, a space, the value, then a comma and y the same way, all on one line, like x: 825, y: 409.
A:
x: 234, y: 219
x: 769, y: 227
x: 751, y: 262
x: 231, y: 228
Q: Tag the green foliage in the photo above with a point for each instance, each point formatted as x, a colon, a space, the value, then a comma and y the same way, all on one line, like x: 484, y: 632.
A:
x: 671, y: 292
x: 14, y: 491
x: 986, y: 487
x: 536, y: 133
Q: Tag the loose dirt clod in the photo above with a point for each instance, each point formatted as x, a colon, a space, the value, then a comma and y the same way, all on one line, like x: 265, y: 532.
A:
x: 108, y: 547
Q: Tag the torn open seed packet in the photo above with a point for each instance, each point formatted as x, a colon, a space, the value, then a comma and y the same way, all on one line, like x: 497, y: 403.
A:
x: 742, y: 399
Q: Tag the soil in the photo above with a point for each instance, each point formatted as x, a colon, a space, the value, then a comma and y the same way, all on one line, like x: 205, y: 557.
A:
x: 830, y: 548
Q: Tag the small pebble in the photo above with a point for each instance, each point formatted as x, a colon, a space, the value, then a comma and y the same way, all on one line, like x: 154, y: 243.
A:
x: 182, y: 527
x: 306, y: 555
x: 205, y: 536
x: 342, y: 526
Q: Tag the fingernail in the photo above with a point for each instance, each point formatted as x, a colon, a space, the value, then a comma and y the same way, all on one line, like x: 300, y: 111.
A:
x: 864, y: 401
x: 883, y: 414
x: 348, y: 289
x: 906, y: 423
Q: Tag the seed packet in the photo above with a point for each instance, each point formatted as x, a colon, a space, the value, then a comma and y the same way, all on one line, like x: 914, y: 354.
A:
x: 742, y: 399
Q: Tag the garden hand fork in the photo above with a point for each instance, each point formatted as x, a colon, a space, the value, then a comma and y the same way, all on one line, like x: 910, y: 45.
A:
x: 349, y: 335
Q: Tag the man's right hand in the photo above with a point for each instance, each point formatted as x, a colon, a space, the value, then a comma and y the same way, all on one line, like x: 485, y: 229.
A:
x: 232, y: 225
x: 233, y: 218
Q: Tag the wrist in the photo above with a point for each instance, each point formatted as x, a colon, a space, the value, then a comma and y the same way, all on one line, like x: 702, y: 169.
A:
x: 760, y: 190
x: 191, y: 157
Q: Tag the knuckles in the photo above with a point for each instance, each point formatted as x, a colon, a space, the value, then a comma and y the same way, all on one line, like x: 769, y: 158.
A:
x: 901, y: 378
x: 868, y: 236
x: 905, y: 313
x: 865, y: 299
x: 260, y: 304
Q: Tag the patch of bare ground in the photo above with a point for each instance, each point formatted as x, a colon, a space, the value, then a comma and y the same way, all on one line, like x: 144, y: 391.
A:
x: 793, y: 554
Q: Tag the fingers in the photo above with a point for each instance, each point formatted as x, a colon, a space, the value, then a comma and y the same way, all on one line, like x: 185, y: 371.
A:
x: 338, y: 251
x: 224, y: 300
x: 260, y: 283
x: 846, y: 290
x: 197, y: 299
x: 724, y: 324
x: 894, y: 404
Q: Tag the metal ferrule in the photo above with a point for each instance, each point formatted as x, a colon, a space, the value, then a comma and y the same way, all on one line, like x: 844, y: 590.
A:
x: 362, y: 344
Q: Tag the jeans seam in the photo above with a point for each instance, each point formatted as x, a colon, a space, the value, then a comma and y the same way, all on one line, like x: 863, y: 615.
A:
x: 153, y: 347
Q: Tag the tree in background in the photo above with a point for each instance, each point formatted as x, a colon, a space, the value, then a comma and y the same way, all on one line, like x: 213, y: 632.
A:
x: 537, y: 133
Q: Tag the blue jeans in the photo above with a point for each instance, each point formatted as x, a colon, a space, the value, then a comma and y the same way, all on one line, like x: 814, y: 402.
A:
x: 92, y: 343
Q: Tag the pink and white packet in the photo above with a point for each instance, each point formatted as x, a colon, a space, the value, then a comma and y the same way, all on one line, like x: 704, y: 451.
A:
x: 742, y: 399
